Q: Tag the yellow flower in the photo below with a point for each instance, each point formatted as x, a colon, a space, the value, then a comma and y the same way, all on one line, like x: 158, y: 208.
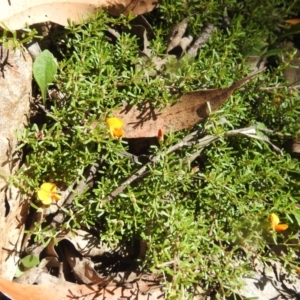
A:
x: 115, y: 127
x: 274, y: 220
x: 47, y: 193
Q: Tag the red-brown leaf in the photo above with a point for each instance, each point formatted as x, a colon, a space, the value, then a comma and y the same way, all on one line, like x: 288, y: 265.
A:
x: 186, y: 113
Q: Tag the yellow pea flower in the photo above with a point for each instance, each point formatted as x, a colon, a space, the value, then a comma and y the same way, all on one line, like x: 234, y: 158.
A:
x: 274, y: 220
x: 47, y: 193
x: 115, y: 127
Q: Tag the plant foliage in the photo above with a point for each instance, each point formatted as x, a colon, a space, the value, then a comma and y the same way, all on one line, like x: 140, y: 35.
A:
x: 194, y: 214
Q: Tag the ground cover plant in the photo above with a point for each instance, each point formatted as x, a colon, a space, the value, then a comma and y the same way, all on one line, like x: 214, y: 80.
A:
x: 205, y: 211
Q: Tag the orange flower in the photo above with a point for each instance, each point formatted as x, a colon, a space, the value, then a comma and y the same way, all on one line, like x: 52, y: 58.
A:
x: 274, y: 220
x: 47, y: 193
x: 281, y: 227
x: 115, y: 127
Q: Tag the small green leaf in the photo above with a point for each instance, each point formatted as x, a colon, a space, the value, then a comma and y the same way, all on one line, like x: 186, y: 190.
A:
x: 260, y: 125
x: 29, y: 261
x: 272, y: 52
x: 259, y: 132
x: 19, y: 272
x: 44, y: 70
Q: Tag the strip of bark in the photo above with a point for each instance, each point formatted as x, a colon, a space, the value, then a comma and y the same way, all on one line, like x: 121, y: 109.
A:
x: 201, y: 40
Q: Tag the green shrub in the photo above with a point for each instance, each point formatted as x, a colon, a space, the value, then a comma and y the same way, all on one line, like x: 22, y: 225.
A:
x: 194, y: 209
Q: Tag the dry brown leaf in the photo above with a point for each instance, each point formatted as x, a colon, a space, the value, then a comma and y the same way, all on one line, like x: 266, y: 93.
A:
x: 75, y: 291
x: 176, y: 34
x: 141, y: 20
x: 187, y: 112
x: 83, y: 268
x: 15, y: 14
x: 85, y: 243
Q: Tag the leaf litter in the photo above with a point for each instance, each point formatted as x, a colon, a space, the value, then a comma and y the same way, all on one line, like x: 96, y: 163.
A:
x: 15, y: 15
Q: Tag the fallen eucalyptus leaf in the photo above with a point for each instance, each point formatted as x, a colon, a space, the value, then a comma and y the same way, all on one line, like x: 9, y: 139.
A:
x: 187, y: 112
x: 68, y: 290
x: 15, y: 14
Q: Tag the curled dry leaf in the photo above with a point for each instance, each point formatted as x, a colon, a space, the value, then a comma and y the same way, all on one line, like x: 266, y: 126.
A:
x: 184, y: 44
x: 142, y: 21
x: 176, y: 34
x: 15, y: 14
x: 141, y: 32
x: 79, y: 291
x: 187, y: 112
x: 82, y: 268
